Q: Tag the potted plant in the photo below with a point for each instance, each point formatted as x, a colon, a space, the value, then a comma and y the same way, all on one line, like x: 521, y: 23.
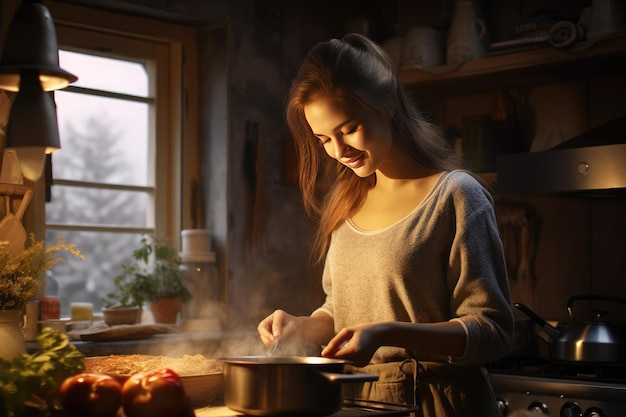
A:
x: 124, y: 305
x: 20, y: 279
x: 155, y: 276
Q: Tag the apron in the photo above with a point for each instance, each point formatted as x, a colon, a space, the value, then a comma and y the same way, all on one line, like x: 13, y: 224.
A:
x: 439, y: 389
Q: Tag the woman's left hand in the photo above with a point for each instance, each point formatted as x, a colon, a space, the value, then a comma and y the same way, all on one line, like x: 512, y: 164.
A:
x: 356, y: 344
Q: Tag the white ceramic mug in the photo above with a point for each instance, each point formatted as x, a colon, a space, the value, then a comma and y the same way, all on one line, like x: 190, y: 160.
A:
x: 424, y: 47
x: 607, y: 18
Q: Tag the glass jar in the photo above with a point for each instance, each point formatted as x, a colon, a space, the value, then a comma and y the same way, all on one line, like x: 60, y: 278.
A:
x: 201, y: 278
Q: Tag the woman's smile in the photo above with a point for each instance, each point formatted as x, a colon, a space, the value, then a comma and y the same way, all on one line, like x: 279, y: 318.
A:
x: 355, y: 161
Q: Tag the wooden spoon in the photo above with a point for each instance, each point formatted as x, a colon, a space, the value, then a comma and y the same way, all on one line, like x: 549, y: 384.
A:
x: 11, y: 228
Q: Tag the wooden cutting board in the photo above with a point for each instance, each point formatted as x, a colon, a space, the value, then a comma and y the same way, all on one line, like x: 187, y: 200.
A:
x: 124, y: 332
x: 11, y: 228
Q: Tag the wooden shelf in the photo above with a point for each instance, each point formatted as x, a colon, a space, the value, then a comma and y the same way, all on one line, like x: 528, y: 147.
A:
x: 516, y: 69
x: 13, y: 189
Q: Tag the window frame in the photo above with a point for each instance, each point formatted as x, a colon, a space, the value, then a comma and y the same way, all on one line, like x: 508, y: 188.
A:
x: 176, y: 115
x: 126, y: 48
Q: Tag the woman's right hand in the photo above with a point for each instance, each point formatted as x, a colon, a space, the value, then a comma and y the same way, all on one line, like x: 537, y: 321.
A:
x: 316, y: 328
x: 277, y: 324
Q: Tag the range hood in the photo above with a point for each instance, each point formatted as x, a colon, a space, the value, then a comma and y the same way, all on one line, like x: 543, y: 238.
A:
x: 591, y: 164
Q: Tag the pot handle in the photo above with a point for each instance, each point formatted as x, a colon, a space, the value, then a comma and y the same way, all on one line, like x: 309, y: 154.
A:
x: 574, y: 298
x: 357, y: 377
x: 547, y: 327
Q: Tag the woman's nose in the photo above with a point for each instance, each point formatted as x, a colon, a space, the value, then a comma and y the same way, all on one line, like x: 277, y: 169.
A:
x: 341, y: 149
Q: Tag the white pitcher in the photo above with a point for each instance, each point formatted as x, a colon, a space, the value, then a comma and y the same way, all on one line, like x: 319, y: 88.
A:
x: 465, y: 37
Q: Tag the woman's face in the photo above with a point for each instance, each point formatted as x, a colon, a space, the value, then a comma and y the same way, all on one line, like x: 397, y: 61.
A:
x: 357, y: 138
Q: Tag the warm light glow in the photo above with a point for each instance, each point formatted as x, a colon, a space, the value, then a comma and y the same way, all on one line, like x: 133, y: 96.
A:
x: 32, y: 129
x: 32, y: 160
x: 11, y: 81
x: 578, y: 354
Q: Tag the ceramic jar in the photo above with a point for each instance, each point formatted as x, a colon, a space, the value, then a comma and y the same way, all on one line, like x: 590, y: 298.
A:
x: 424, y: 47
x: 13, y: 343
x: 465, y: 36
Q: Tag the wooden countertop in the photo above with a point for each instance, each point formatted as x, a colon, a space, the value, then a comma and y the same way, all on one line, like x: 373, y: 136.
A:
x: 210, y: 344
x: 216, y: 411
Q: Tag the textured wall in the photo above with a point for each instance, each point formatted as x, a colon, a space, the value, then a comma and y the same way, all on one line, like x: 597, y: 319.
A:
x: 250, y: 51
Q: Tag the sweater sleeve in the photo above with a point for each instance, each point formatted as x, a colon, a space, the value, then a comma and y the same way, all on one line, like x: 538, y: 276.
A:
x: 477, y: 276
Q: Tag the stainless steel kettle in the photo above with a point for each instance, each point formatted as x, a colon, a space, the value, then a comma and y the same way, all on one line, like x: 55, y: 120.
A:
x: 590, y: 341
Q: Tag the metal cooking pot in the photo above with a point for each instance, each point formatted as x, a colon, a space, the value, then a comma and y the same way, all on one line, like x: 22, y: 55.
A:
x: 275, y: 385
x: 593, y: 341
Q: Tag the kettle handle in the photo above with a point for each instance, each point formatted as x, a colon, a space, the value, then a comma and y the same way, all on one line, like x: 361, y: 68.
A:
x: 574, y: 298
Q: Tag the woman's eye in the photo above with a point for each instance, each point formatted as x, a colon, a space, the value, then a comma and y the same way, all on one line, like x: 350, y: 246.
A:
x: 351, y: 130
x: 324, y: 141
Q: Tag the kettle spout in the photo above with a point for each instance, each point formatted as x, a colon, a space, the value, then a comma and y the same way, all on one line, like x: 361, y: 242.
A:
x: 547, y: 327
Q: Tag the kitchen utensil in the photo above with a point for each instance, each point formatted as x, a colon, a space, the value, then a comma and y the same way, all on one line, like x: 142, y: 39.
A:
x: 273, y: 347
x: 596, y: 341
x: 288, y: 385
x: 11, y: 228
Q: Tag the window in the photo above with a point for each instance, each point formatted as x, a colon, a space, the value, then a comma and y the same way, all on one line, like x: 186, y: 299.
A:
x: 118, y: 173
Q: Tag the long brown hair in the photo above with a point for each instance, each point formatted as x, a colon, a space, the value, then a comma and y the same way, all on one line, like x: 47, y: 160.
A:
x: 357, y: 70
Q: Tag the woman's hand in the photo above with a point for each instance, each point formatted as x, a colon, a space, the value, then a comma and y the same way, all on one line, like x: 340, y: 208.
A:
x: 277, y: 324
x: 356, y: 344
x: 359, y: 343
x: 315, y: 329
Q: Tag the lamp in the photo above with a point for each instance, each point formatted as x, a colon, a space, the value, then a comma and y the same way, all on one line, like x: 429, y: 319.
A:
x: 30, y: 66
x: 32, y: 129
x: 31, y: 44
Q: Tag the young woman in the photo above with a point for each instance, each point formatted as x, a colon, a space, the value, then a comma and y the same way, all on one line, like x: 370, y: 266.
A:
x: 414, y: 272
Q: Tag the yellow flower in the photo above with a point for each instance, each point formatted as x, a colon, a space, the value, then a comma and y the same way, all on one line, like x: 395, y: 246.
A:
x: 21, y: 275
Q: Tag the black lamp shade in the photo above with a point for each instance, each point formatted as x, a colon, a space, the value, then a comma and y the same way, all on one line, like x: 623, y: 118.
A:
x: 33, y: 118
x: 31, y: 44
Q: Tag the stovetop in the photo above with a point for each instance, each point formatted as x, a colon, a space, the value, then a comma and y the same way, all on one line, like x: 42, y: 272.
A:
x: 610, y: 373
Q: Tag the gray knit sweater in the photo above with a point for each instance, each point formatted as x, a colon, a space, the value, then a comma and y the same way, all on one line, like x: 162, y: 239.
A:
x: 443, y: 261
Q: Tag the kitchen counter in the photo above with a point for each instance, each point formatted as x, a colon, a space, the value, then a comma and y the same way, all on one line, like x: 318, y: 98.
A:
x: 211, y: 344
x: 351, y: 408
x: 215, y: 411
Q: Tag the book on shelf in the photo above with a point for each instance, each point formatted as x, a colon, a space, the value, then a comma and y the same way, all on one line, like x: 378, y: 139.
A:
x: 537, y: 40
x: 536, y: 25
x: 528, y: 34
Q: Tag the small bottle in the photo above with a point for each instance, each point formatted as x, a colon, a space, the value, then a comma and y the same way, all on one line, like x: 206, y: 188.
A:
x: 30, y: 326
x: 50, y: 303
